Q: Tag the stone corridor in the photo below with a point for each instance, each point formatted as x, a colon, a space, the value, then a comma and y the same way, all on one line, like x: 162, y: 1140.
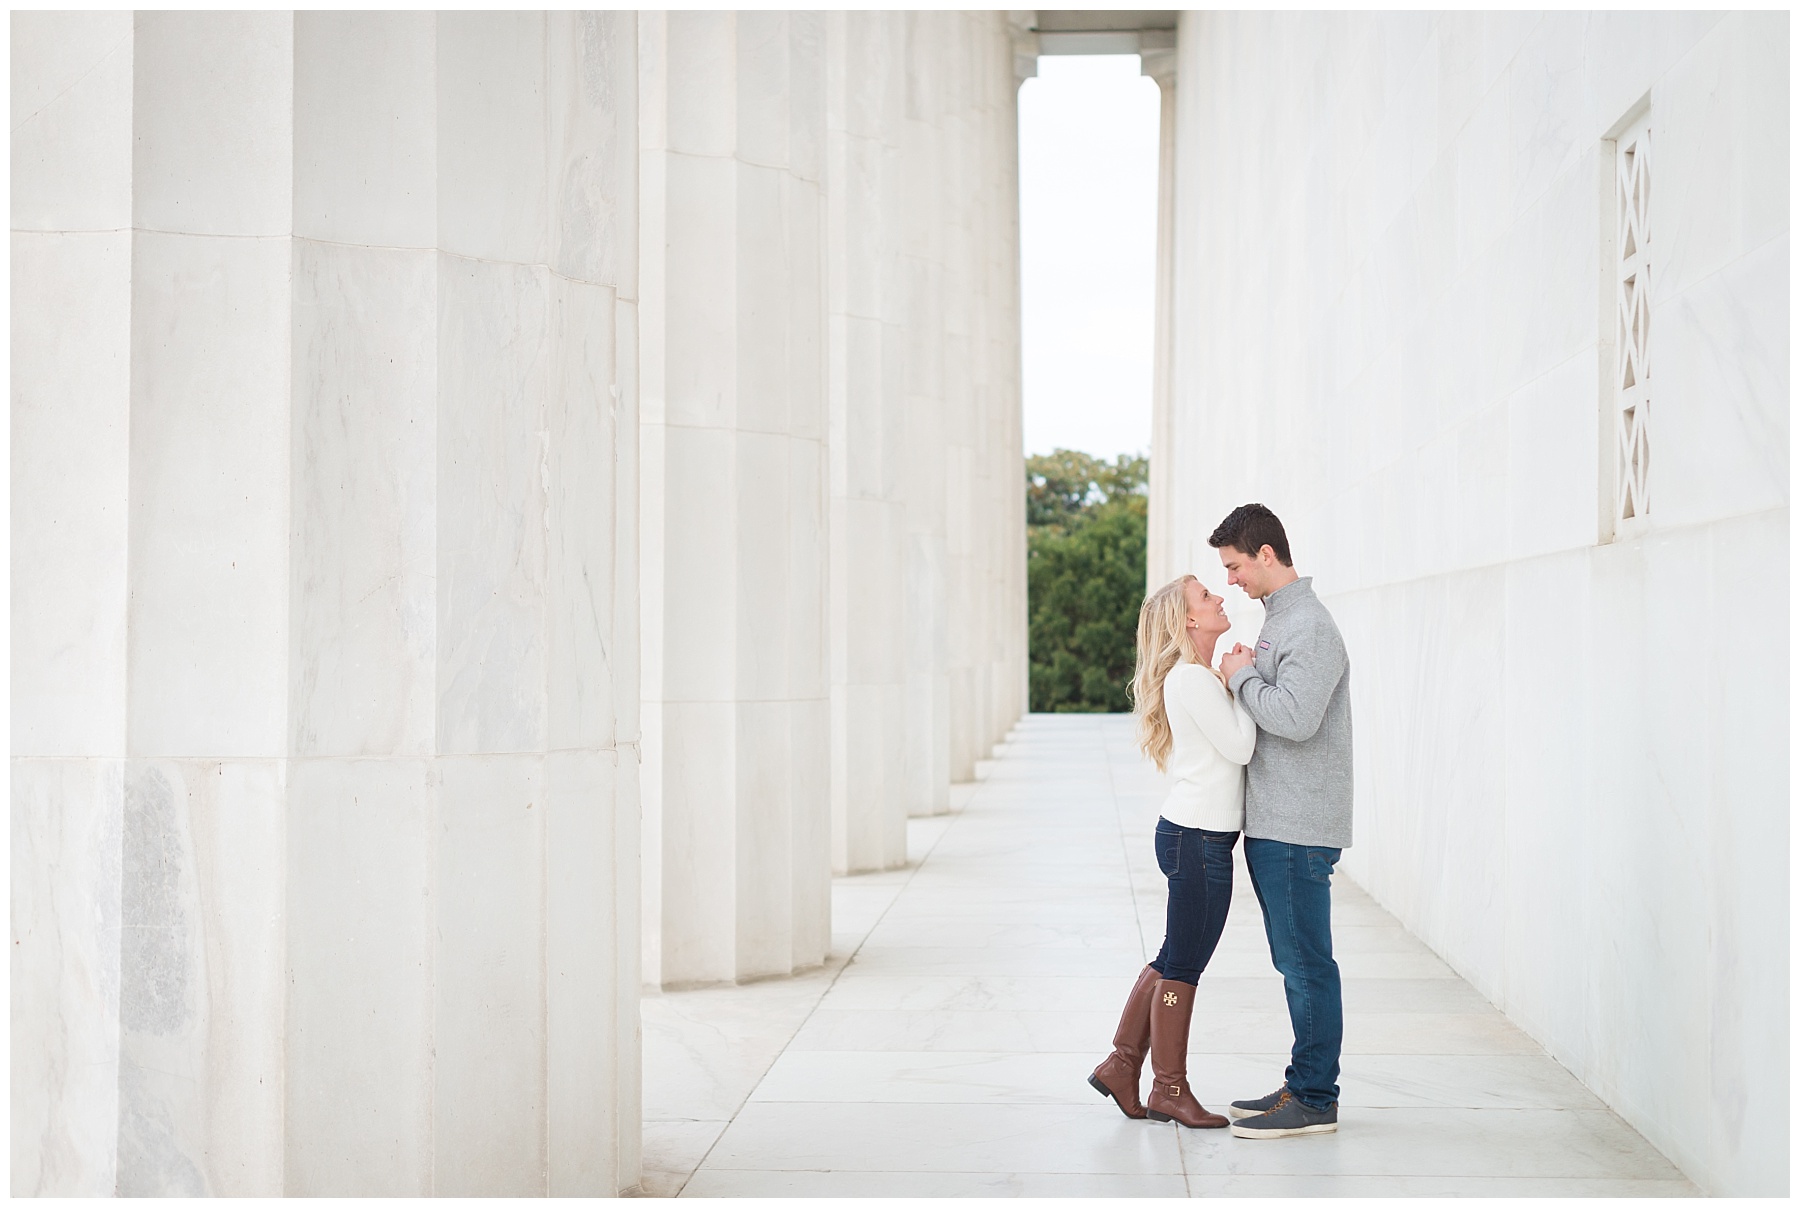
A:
x: 943, y: 1048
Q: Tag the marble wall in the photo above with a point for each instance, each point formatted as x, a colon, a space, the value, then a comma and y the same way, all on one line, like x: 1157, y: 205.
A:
x: 1393, y: 318
x: 324, y: 613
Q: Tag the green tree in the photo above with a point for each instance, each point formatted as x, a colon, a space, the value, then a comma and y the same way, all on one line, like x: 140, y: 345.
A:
x: 1063, y: 487
x: 1087, y: 527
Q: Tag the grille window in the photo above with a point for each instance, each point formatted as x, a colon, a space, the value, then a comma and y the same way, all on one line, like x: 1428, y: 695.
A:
x: 1631, y: 383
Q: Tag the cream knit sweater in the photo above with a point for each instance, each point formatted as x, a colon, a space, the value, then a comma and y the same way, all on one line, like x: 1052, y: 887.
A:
x: 1214, y: 738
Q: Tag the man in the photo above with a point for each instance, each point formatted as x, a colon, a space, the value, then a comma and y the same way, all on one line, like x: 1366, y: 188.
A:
x: 1296, y: 686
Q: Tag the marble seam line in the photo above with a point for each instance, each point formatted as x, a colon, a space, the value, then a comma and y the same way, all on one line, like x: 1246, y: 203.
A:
x: 76, y: 82
x: 394, y: 757
x: 1647, y: 534
x: 734, y: 157
x: 731, y: 427
x: 813, y: 1010
x: 738, y: 700
x: 1222, y: 1175
x: 432, y: 249
x: 1669, y: 299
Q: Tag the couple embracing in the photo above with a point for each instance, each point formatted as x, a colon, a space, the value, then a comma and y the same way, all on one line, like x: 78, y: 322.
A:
x: 1261, y: 745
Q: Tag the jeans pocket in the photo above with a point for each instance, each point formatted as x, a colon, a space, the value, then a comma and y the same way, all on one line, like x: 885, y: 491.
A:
x: 1319, y: 863
x: 1168, y: 851
x: 1216, y: 854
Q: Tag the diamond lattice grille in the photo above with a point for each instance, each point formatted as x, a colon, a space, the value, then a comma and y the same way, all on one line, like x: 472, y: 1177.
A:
x: 1632, y: 339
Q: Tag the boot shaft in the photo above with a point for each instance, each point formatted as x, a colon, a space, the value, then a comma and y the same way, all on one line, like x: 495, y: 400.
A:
x: 1132, y: 1038
x: 1118, y: 1076
x: 1171, y: 1014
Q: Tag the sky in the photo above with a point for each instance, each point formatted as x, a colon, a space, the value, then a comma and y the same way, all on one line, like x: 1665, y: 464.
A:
x: 1087, y: 229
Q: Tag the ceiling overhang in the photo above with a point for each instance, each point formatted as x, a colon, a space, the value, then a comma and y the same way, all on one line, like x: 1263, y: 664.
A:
x: 1082, y: 31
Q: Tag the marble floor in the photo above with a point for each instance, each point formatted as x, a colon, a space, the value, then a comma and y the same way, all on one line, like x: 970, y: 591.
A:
x: 944, y: 1048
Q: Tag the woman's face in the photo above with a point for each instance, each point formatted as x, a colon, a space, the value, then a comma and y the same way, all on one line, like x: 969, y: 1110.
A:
x: 1205, y: 613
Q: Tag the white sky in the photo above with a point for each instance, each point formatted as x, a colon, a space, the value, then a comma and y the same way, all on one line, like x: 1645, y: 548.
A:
x: 1087, y: 228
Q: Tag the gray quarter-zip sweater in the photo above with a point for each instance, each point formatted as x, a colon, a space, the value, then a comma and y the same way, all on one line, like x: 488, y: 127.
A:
x: 1297, y: 787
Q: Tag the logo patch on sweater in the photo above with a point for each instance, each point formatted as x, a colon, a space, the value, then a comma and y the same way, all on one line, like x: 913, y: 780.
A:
x: 1262, y: 645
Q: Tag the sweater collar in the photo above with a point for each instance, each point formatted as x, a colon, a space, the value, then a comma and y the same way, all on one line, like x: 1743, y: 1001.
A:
x: 1286, y: 597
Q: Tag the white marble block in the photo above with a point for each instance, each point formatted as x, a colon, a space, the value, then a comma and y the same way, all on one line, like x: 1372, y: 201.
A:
x: 488, y: 976
x: 201, y: 1006
x: 363, y: 596
x: 359, y: 1011
x: 72, y: 121
x: 71, y: 305
x: 207, y: 660
x: 66, y: 836
x: 213, y: 123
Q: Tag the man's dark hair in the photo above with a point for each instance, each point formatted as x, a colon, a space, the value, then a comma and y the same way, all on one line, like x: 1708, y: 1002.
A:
x: 1249, y: 528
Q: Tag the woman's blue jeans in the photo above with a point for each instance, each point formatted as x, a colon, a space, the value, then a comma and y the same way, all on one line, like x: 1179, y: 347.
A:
x: 1198, y: 865
x: 1293, y: 884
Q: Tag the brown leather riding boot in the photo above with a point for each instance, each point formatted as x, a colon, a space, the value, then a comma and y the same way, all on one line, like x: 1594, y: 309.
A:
x: 1117, y: 1076
x: 1170, y: 1098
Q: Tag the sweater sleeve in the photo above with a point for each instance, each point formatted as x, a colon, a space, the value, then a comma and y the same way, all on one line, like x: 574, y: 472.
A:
x: 1224, y: 721
x: 1307, y: 671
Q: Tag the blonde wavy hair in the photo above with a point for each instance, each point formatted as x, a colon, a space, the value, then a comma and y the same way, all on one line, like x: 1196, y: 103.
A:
x: 1162, y: 641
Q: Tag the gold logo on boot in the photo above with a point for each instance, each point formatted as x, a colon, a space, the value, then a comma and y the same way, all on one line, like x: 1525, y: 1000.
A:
x: 1175, y: 1092
x: 1169, y: 998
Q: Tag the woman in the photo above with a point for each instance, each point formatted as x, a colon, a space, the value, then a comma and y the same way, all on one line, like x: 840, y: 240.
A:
x: 1191, y: 727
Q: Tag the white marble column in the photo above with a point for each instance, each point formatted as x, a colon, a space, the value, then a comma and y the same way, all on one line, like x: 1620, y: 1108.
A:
x: 735, y: 497
x: 928, y: 532
x: 921, y: 421
x: 871, y: 780
x: 351, y: 790
x: 972, y: 274
x: 1006, y: 654
x: 923, y: 196
x: 1160, y: 560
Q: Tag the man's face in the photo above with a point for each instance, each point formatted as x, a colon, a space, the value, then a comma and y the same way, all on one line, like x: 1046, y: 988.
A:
x: 1245, y: 571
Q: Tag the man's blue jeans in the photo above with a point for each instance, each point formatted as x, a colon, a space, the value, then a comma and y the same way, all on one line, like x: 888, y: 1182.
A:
x: 1293, y: 885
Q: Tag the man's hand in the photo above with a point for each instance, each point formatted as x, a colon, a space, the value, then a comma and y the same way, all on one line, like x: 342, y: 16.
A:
x: 1236, y: 659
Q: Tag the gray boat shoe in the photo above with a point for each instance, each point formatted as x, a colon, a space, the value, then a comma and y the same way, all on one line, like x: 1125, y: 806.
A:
x: 1288, y: 1118
x: 1255, y: 1107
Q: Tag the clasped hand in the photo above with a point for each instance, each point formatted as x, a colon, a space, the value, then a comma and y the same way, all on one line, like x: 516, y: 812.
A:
x: 1235, y: 660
